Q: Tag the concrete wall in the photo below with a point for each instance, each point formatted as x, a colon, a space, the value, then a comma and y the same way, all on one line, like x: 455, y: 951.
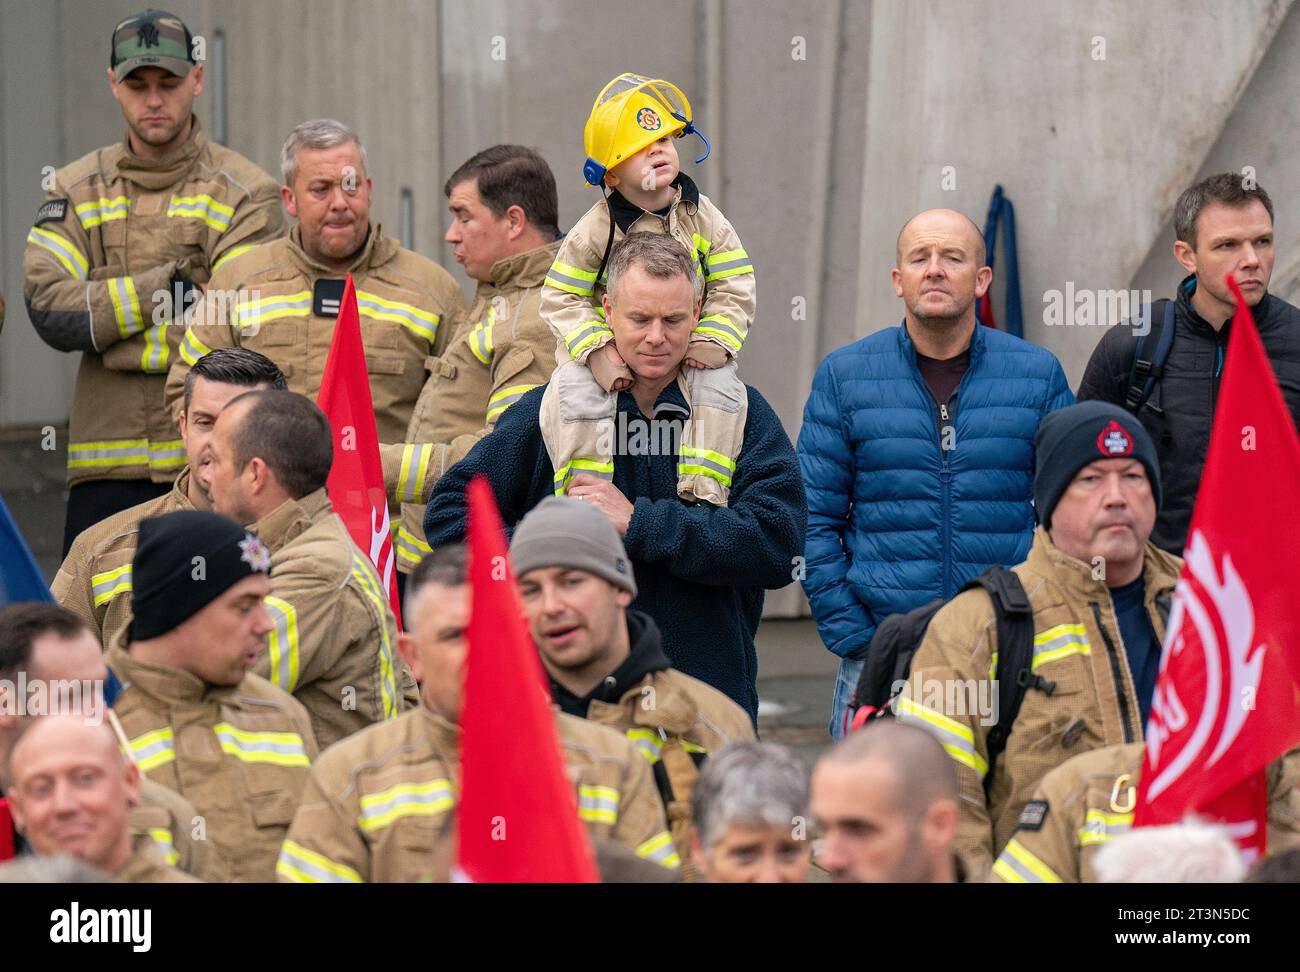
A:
x: 831, y: 123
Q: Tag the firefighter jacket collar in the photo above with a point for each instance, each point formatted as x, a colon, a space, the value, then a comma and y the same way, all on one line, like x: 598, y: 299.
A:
x: 444, y: 736
x: 291, y: 519
x: 159, y: 173
x: 170, y: 686
x: 644, y: 659
x: 626, y: 213
x: 1076, y: 578
x: 521, y: 270
x: 377, y: 250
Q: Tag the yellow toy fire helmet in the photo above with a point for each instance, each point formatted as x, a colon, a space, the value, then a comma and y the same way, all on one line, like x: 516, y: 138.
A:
x: 629, y: 113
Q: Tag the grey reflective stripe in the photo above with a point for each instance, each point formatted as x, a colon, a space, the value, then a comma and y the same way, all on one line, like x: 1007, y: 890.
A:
x: 118, y: 580
x: 597, y: 805
x: 270, y: 307
x: 376, y: 811
x: 706, y: 463
x: 312, y: 869
x: 1020, y: 869
x: 582, y: 335
x: 145, y: 753
x: 261, y: 745
x: 584, y: 285
x: 507, y: 401
x: 723, y: 326
x: 156, y: 338
x: 166, y: 455
x: 1060, y: 641
x: 662, y: 855
x: 374, y: 308
x: 138, y: 453
x: 56, y: 244
x: 730, y: 265
x: 406, y: 545
x: 481, y: 336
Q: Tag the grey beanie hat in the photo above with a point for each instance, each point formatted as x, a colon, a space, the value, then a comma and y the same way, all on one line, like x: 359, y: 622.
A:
x: 561, y: 531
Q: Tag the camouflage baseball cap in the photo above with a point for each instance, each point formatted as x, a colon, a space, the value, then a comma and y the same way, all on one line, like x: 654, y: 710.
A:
x: 154, y: 38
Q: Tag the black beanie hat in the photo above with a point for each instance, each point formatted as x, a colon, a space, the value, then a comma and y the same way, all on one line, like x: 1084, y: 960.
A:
x: 1071, y: 438
x: 185, y: 561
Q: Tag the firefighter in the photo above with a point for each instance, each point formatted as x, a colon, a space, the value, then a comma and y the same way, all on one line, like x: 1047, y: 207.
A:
x: 125, y: 240
x: 334, y: 644
x: 606, y: 662
x: 504, y: 213
x: 379, y: 806
x: 94, y: 580
x: 1100, y: 594
x: 283, y: 299
x: 196, y: 718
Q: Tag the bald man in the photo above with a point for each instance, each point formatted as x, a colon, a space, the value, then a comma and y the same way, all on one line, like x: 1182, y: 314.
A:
x: 917, y: 448
x: 73, y: 792
x: 884, y: 802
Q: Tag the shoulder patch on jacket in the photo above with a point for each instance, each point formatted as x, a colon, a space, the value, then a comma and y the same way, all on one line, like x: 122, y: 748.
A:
x: 53, y: 211
x: 1032, y: 817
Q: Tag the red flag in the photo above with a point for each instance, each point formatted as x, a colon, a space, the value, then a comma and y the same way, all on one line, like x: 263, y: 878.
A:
x: 517, y: 818
x: 356, y: 483
x: 6, y: 831
x: 1227, y: 701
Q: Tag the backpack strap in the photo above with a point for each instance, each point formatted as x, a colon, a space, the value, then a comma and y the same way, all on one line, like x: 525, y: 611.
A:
x: 609, y: 241
x: 1147, y: 369
x: 1015, y: 623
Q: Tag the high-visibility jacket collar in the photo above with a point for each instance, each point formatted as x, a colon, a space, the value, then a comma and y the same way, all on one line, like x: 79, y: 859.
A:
x: 521, y: 270
x: 1079, y: 579
x: 444, y: 736
x: 291, y: 519
x: 375, y: 252
x: 157, y: 173
x: 167, y: 685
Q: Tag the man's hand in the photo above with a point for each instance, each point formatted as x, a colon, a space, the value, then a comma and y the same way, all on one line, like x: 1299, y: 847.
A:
x: 606, y: 497
x: 609, y: 368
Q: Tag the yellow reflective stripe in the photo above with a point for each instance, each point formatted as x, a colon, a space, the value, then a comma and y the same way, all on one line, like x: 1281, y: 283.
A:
x: 1017, y: 865
x: 163, y: 838
x: 418, y: 322
x: 572, y: 280
x: 192, y: 348
x: 66, y: 253
x: 268, y: 309
x: 702, y: 245
x: 109, y: 584
x: 230, y: 254
x: 1059, y: 642
x: 705, y: 462
x: 410, y: 548
x: 202, y: 206
x: 282, y: 643
x: 102, y: 210
x: 167, y: 454
x: 1100, y: 826
x: 480, y: 338
x: 126, y: 308
x: 957, y: 739
x: 153, y: 749
x: 718, y: 326
x: 106, y: 454
x: 252, y: 746
x: 660, y: 850
x: 586, y: 335
x: 378, y: 810
x: 730, y: 263
x: 503, y: 399
x: 647, y: 742
x: 364, y: 573
x: 598, y: 804
x: 153, y: 359
x: 415, y: 465
x: 605, y: 470
x: 298, y: 864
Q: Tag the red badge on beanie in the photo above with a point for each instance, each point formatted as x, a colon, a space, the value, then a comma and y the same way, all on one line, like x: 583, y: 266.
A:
x: 1114, y: 440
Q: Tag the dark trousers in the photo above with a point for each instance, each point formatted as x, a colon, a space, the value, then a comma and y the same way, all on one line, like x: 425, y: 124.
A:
x: 88, y: 503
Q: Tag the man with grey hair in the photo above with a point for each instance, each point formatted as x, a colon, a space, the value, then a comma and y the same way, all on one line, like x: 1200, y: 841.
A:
x: 1167, y: 370
x: 885, y: 803
x: 283, y: 299
x: 1185, y: 853
x: 750, y: 816
x: 700, y: 570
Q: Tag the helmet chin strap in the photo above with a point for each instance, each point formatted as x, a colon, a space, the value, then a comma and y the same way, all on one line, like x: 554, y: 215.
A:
x: 690, y: 129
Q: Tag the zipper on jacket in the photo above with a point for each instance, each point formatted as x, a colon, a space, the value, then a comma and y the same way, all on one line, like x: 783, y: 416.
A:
x: 1115, y: 671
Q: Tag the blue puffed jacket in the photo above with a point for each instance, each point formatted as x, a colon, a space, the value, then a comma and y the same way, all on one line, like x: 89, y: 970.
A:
x: 894, y: 520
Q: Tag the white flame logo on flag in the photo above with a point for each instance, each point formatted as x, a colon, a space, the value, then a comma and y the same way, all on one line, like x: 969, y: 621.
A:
x: 379, y: 535
x: 1228, y: 609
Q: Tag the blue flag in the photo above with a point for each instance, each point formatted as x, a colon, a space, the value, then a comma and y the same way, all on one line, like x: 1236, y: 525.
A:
x: 20, y: 578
